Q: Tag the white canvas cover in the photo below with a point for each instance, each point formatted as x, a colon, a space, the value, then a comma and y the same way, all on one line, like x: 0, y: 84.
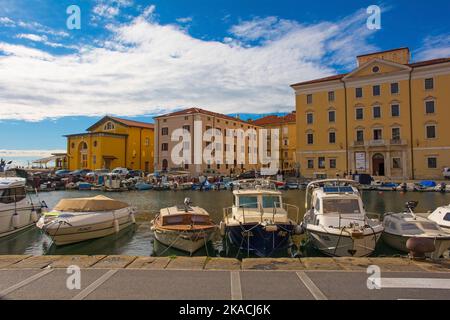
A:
x: 94, y: 204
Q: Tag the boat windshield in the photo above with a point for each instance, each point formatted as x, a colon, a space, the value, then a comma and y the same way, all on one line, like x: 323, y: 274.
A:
x: 411, y: 227
x: 341, y: 206
x: 429, y: 226
x: 186, y: 219
x: 271, y: 201
x: 447, y: 217
x: 248, y: 202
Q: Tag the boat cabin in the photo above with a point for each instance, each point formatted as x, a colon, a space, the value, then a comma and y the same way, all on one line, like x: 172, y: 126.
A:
x: 12, y: 190
x: 184, y: 215
x: 409, y: 224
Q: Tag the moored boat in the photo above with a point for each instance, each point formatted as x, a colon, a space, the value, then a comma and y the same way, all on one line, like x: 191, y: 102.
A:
x: 259, y: 221
x: 186, y: 227
x: 336, y: 222
x: 400, y: 227
x: 442, y: 217
x: 80, y: 219
x: 17, y: 211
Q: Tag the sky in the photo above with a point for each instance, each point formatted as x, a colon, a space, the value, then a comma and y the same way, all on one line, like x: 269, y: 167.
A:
x: 137, y: 59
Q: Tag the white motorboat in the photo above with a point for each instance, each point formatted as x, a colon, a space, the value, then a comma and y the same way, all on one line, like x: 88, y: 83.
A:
x: 259, y: 221
x: 336, y: 222
x: 184, y: 227
x: 17, y: 212
x: 79, y: 219
x: 442, y: 217
x: 400, y: 227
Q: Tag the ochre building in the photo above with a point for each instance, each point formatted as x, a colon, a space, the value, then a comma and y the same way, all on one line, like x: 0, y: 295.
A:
x: 110, y: 143
x: 388, y: 118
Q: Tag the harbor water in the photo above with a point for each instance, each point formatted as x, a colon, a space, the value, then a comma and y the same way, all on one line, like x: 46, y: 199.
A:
x: 139, y: 240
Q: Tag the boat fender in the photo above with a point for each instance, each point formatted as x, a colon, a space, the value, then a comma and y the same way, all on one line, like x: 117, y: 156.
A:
x: 116, y: 226
x: 133, y: 218
x: 299, y: 229
x: 34, y: 216
x: 16, y: 220
x: 222, y: 228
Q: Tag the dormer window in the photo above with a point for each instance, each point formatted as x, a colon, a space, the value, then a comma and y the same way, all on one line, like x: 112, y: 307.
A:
x: 109, y: 126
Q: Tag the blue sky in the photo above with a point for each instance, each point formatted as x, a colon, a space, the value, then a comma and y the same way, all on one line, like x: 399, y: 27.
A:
x: 136, y: 58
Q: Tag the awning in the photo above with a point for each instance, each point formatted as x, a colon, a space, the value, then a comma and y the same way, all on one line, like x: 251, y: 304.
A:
x: 109, y: 157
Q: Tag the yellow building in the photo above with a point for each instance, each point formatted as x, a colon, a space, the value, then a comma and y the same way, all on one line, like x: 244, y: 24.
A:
x: 386, y: 118
x: 288, y: 138
x: 110, y: 143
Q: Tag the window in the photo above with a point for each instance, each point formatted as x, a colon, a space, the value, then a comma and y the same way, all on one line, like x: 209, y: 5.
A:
x: 271, y: 202
x: 164, y: 131
x: 186, y: 118
x: 164, y: 147
x: 309, y: 99
x: 341, y: 206
x: 429, y: 107
x: 187, y: 128
x: 310, y: 138
x: 359, y: 92
x: 360, y: 135
x: 376, y: 112
x: 164, y: 120
x: 394, y: 88
x: 332, y: 137
x: 310, y: 164
x: 377, y: 134
x: 396, y: 163
x: 359, y: 113
x: 429, y: 84
x: 396, y: 134
x: 331, y: 96
x: 186, y: 167
x: 13, y: 195
x: 431, y: 131
x: 332, y: 116
x: 321, y: 162
x: 432, y: 163
x: 376, y: 69
x: 72, y: 145
x: 248, y: 202
x: 376, y: 90
x: 332, y: 163
x: 109, y: 126
x: 309, y: 118
x: 94, y: 160
x: 95, y: 143
x: 395, y: 110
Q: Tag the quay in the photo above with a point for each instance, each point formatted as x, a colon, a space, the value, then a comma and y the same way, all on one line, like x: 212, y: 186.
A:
x: 204, y: 278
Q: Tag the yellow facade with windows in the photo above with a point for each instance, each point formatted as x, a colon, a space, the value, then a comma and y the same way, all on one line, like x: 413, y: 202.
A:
x: 110, y: 143
x: 386, y: 118
x: 287, y: 128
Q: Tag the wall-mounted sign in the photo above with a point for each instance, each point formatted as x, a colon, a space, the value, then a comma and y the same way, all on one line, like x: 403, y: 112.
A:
x: 360, y: 161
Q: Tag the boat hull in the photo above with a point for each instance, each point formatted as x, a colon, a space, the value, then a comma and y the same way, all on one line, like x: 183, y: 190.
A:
x: 399, y: 243
x: 64, y: 231
x: 259, y: 240
x: 187, y: 241
x: 24, y: 220
x: 343, y: 245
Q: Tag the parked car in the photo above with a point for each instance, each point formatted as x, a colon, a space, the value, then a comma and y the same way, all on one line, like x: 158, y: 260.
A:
x: 121, y: 171
x: 135, y: 173
x: 62, y: 173
x: 98, y: 172
x: 446, y: 173
x: 80, y: 173
x: 247, y: 175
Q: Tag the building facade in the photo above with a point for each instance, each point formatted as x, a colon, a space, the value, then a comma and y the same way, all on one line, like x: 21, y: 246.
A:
x: 110, y: 143
x: 385, y: 118
x: 187, y: 119
x: 287, y: 127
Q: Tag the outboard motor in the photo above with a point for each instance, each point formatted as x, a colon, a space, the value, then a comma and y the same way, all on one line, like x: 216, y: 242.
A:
x: 442, y: 187
x: 411, y: 205
x: 187, y: 203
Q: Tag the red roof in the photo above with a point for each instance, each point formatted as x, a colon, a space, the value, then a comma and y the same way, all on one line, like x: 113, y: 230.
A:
x: 203, y: 111
x: 272, y: 119
x: 340, y: 76
x: 129, y: 123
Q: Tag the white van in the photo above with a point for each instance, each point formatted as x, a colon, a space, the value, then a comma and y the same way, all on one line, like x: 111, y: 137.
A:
x: 121, y: 171
x: 446, y: 173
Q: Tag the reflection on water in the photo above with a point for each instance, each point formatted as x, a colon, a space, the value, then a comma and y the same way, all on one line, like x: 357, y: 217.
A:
x: 138, y: 240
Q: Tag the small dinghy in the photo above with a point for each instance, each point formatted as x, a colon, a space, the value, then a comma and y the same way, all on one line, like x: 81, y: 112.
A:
x: 80, y: 219
x: 400, y: 227
x: 184, y: 227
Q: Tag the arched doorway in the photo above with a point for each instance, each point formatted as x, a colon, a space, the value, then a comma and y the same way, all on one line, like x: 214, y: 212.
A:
x: 378, y: 165
x: 83, y: 155
x: 165, y: 164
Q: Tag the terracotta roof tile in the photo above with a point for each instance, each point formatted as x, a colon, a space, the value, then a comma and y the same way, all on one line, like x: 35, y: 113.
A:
x: 203, y: 111
x: 272, y: 119
x: 132, y: 123
x: 331, y: 78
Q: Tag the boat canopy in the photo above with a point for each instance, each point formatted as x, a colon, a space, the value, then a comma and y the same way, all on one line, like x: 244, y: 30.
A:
x: 95, y: 204
x: 428, y: 184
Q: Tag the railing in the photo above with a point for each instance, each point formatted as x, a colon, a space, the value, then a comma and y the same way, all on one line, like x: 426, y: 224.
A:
x: 359, y: 143
x: 377, y: 142
x: 287, y: 209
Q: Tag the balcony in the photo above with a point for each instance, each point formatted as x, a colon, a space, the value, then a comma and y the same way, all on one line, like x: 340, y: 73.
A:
x: 398, y: 142
x: 377, y: 143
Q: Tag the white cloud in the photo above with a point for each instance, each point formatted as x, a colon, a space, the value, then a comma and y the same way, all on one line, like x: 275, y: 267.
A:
x: 149, y: 68
x: 43, y: 39
x: 109, y: 9
x: 7, y: 22
x: 434, y: 47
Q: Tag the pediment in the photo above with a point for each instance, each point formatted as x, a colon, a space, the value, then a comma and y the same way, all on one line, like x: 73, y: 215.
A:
x: 383, y: 66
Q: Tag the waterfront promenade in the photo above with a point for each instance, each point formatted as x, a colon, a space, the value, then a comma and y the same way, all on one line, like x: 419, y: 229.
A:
x: 131, y: 277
